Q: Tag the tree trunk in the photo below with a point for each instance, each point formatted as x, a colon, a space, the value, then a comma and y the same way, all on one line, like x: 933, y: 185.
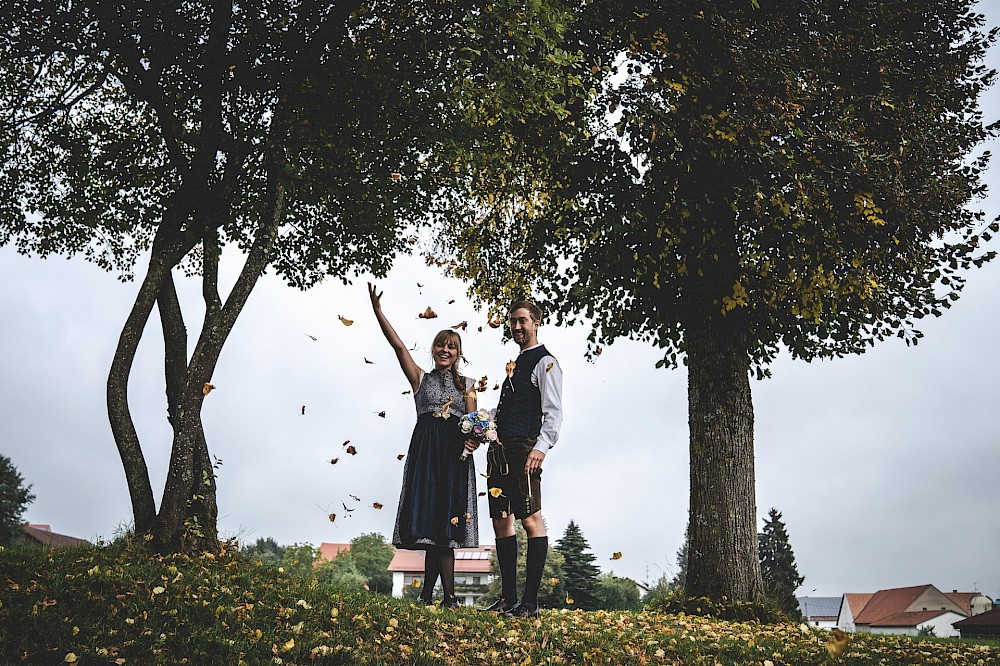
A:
x: 722, y: 554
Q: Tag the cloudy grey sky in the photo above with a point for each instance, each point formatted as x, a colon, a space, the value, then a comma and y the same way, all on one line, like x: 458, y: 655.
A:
x: 886, y: 466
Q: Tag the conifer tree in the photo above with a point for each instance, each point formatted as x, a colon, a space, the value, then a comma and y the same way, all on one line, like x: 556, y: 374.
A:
x: 579, y: 570
x: 777, y: 564
x: 14, y: 499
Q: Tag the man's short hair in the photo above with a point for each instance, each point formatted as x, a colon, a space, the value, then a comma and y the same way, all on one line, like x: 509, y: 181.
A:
x: 536, y: 312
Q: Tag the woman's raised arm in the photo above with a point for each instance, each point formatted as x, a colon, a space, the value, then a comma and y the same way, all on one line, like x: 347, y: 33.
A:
x: 410, y: 368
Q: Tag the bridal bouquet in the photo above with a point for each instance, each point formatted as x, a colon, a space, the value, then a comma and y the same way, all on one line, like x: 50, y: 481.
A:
x: 479, y: 425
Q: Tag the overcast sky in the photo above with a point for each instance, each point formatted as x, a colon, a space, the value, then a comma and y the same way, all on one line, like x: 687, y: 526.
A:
x: 886, y: 466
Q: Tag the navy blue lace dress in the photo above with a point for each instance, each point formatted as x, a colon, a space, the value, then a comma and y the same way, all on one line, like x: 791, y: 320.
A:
x: 437, y: 504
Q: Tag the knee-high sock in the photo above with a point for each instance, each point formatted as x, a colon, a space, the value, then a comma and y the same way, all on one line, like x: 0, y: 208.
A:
x: 432, y: 569
x: 538, y: 550
x: 446, y: 563
x: 507, y: 559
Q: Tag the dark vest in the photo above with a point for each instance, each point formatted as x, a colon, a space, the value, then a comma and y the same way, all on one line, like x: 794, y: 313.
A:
x: 519, y: 413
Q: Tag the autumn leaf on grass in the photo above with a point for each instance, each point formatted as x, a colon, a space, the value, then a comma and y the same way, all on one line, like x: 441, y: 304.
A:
x: 463, y: 325
x: 377, y: 505
x: 207, y: 388
x: 428, y: 313
x: 344, y: 320
x: 837, y: 643
x: 616, y: 556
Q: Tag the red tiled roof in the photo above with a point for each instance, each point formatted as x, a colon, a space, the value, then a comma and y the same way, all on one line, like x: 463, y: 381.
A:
x: 990, y: 618
x: 467, y: 560
x: 856, y: 601
x: 41, y: 534
x: 962, y: 599
x: 909, y: 619
x: 889, y: 602
x: 328, y: 551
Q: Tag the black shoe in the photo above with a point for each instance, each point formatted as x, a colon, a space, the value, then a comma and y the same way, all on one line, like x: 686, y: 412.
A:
x: 499, y: 606
x: 523, y: 610
x: 451, y: 603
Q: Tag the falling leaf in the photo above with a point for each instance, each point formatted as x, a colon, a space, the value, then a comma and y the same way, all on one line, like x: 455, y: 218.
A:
x: 354, y: 497
x: 334, y: 461
x: 367, y: 361
x: 428, y: 313
x: 346, y: 442
x: 463, y: 325
x: 837, y: 643
x: 332, y: 517
x: 598, y: 351
x: 510, y: 368
x: 345, y: 507
x: 345, y: 321
x: 451, y: 301
x: 377, y: 505
x: 454, y: 520
x: 483, y: 384
x: 549, y: 367
x: 569, y: 599
x: 381, y: 414
x: 400, y: 456
x: 482, y: 494
x: 495, y: 323
x: 496, y: 492
x: 312, y: 337
x: 353, y: 451
x: 303, y: 410
x: 496, y: 386
x: 407, y: 392
x: 479, y: 328
x: 554, y: 581
x: 616, y: 556
x: 413, y: 348
x: 415, y: 582
x: 205, y: 390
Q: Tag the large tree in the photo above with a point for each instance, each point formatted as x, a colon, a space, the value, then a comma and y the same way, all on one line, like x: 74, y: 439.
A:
x: 14, y: 499
x: 308, y: 136
x: 760, y: 176
x: 777, y: 564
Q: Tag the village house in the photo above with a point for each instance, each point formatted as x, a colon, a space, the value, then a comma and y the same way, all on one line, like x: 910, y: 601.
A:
x: 35, y: 534
x: 820, y: 612
x: 472, y: 572
x: 908, y: 610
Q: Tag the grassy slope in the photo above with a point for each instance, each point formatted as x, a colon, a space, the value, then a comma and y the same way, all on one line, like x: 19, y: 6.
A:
x: 116, y: 605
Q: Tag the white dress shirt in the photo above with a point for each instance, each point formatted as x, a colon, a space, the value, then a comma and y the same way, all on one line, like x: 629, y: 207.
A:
x: 549, y: 383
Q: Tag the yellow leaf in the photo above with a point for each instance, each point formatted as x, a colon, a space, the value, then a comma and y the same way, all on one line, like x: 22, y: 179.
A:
x: 70, y: 658
x: 344, y: 320
x: 496, y: 492
x: 207, y: 388
x: 289, y: 645
x: 554, y: 581
x: 549, y: 367
x: 510, y: 368
x: 616, y: 556
x: 454, y: 520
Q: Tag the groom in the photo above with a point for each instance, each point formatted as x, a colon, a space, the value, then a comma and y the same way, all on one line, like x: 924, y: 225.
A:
x: 528, y: 419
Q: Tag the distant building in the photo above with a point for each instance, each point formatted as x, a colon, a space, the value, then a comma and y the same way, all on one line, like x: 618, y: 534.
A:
x: 906, y: 610
x: 328, y: 551
x: 472, y: 571
x: 34, y: 534
x: 981, y: 625
x: 820, y: 612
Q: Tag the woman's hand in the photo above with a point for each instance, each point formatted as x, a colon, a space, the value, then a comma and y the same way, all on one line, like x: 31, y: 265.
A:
x: 376, y: 297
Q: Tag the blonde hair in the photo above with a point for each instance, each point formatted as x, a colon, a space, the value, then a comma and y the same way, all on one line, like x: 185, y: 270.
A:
x: 448, y: 335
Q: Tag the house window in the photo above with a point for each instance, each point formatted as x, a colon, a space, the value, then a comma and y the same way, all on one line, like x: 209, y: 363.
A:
x: 475, y: 580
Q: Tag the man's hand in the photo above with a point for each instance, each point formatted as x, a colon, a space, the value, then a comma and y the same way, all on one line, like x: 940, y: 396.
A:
x: 535, y: 458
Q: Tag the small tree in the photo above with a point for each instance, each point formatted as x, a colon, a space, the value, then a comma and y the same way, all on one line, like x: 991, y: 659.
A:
x: 341, y: 570
x: 266, y: 550
x: 14, y: 499
x: 299, y: 558
x: 614, y: 593
x: 371, y: 555
x: 580, y: 571
x: 777, y: 564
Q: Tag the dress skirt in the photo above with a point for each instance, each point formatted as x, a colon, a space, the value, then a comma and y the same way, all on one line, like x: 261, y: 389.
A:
x: 437, y: 504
